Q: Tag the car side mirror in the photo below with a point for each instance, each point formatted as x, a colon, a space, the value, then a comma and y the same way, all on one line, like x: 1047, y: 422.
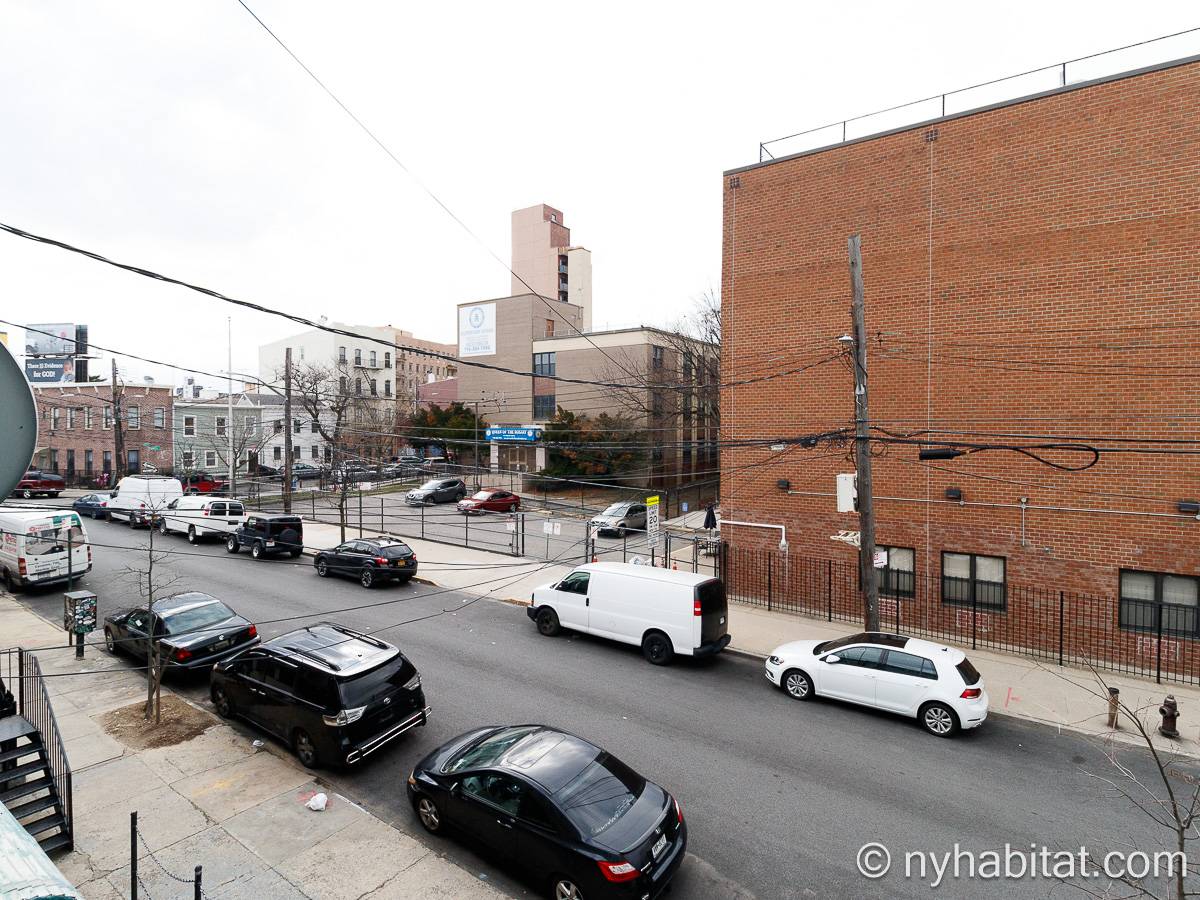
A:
x: 833, y: 658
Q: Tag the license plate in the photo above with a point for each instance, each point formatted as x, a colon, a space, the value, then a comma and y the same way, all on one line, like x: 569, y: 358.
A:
x: 270, y: 543
x: 220, y: 645
x: 659, y: 846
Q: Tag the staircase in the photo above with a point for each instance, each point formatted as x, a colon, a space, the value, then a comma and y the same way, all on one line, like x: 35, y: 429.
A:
x: 28, y: 787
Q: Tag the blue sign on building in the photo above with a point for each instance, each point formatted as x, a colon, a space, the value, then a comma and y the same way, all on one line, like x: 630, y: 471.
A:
x: 513, y: 434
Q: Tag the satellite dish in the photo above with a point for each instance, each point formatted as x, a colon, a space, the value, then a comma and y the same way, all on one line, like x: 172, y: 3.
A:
x: 18, y: 423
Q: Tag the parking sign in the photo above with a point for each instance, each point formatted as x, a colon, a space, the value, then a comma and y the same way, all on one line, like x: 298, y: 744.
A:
x: 652, y: 526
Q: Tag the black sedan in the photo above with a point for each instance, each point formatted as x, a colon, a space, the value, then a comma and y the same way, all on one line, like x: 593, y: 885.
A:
x: 91, y: 505
x: 192, y: 630
x: 370, y: 561
x: 558, y: 806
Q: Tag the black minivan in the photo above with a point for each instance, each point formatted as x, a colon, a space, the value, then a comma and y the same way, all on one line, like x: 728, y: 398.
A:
x: 333, y: 694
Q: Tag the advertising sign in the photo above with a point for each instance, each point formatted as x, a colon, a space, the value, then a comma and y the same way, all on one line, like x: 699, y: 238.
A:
x: 652, y: 522
x: 50, y: 371
x: 51, y: 339
x: 513, y: 434
x: 477, y: 330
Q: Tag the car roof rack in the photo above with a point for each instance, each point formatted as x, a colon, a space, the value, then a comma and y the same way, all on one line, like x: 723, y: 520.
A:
x: 300, y: 651
x: 373, y: 641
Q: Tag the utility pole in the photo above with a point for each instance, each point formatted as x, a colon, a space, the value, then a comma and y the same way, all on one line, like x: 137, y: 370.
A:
x: 232, y: 485
x: 118, y: 432
x: 862, y: 446
x: 476, y: 442
x: 287, y: 430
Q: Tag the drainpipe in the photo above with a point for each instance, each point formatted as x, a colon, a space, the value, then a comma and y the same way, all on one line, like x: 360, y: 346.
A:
x: 783, y: 545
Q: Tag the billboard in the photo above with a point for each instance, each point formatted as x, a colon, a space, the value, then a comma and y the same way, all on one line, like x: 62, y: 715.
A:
x: 477, y: 330
x: 49, y: 371
x: 49, y: 340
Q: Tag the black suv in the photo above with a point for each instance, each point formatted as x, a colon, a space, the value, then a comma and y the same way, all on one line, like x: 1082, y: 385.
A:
x: 265, y: 534
x: 333, y: 694
x: 370, y: 561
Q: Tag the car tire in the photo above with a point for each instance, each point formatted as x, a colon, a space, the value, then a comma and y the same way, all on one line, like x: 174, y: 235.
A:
x: 797, y: 685
x: 231, y: 544
x: 54, y: 495
x: 429, y: 814
x: 459, y: 496
x: 938, y: 719
x: 657, y: 649
x: 304, y: 749
x: 110, y: 641
x: 10, y: 583
x: 367, y: 577
x: 193, y: 538
x: 132, y: 522
x: 563, y: 887
x: 322, y: 568
x: 162, y: 526
x: 294, y: 553
x: 547, y: 623
x: 28, y: 495
x: 404, y: 579
x: 256, y: 549
x: 221, y: 702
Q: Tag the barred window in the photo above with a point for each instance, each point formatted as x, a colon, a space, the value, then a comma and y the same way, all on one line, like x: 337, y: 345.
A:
x: 898, y: 577
x: 1157, y: 600
x: 972, y: 580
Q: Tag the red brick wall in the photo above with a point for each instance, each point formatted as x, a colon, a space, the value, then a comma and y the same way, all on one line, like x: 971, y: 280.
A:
x: 1031, y: 270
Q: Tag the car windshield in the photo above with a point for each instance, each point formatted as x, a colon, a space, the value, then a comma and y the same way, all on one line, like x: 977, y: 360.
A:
x: 194, y: 617
x: 482, y: 495
x: 490, y: 749
x: 362, y: 689
x: 430, y: 486
x: 599, y: 795
x: 617, y: 509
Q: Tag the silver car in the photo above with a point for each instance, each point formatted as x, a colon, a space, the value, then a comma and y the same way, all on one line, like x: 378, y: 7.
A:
x: 621, y: 518
x: 437, y: 490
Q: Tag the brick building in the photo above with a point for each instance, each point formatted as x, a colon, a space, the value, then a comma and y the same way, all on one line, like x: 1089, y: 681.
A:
x: 1031, y: 277
x: 75, y: 429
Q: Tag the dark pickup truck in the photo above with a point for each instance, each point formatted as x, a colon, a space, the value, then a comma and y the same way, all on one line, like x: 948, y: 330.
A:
x: 39, y: 483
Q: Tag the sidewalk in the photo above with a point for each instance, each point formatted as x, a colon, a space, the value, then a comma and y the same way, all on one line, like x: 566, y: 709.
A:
x: 206, y: 796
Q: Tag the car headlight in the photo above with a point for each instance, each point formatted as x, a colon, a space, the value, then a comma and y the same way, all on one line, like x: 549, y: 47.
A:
x: 775, y: 660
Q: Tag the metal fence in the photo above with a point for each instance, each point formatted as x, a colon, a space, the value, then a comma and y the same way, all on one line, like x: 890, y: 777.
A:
x: 1128, y: 636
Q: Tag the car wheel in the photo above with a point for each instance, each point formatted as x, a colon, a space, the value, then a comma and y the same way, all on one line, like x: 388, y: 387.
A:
x: 294, y: 553
x: 10, y: 583
x: 193, y: 538
x: 28, y: 495
x: 110, y: 642
x: 938, y: 719
x: 256, y: 549
x: 132, y: 521
x: 429, y: 814
x: 54, y: 495
x: 303, y: 747
x: 797, y: 684
x: 547, y: 622
x: 162, y: 526
x: 566, y: 889
x: 322, y: 568
x: 221, y: 704
x: 366, y: 577
x: 231, y: 544
x: 657, y: 649
x: 459, y: 496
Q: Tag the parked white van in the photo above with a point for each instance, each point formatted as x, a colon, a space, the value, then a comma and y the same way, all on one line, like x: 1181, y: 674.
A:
x: 141, y: 499
x: 33, y: 547
x: 199, y: 517
x: 663, y: 611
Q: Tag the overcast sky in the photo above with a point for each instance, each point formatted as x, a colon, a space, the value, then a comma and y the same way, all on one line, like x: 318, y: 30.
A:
x: 178, y: 137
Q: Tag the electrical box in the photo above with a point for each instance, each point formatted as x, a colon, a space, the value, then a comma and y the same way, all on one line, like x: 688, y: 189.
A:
x: 79, y: 612
x: 847, y: 493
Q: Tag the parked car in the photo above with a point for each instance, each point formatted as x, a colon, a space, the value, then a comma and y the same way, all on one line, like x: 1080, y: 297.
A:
x: 935, y: 684
x: 335, y: 696
x: 621, y: 518
x: 490, y: 500
x: 192, y: 629
x: 268, y: 472
x: 91, y: 505
x: 268, y: 534
x: 556, y: 804
x: 201, y: 483
x: 305, y: 471
x: 370, y: 561
x: 140, y: 499
x: 664, y: 611
x: 35, y: 544
x: 39, y: 484
x: 437, y: 490
x: 199, y: 517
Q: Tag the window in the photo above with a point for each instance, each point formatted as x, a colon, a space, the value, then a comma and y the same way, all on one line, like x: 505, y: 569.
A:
x: 135, y: 417
x: 279, y: 426
x: 222, y: 428
x: 863, y: 657
x: 70, y: 417
x: 543, y: 364
x: 357, y: 356
x: 296, y: 425
x: 341, y: 354
x: 251, y: 425
x: 387, y: 387
x: 314, y: 427
x: 316, y: 452
x: 970, y: 580
x: 210, y: 459
x: 543, y: 407
x: 374, y: 388
x: 387, y: 359
x: 897, y: 578
x: 342, y: 384
x: 908, y: 664
x: 277, y: 453
x: 656, y: 404
x: 500, y: 791
x: 89, y: 461
x: 70, y: 462
x: 358, y: 386
x: 107, y: 420
x: 107, y: 462
x: 296, y: 454
x: 575, y: 583
x: 187, y: 459
x: 656, y: 357
x: 373, y: 364
x: 1154, y: 600
x: 549, y: 328
x: 87, y: 417
x: 328, y: 454
x: 189, y: 426
x: 55, y: 415
x: 160, y: 417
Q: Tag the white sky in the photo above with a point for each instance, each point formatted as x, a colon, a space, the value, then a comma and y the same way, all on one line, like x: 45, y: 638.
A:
x: 178, y: 137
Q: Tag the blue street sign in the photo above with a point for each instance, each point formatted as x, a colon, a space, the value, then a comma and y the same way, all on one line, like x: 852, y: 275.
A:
x: 513, y: 434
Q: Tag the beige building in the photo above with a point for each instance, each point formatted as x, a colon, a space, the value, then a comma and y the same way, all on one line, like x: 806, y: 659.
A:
x: 542, y: 257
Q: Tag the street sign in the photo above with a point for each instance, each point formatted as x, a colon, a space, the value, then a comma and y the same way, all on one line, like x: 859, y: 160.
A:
x: 557, y: 528
x: 881, y: 559
x: 547, y: 527
x: 524, y: 435
x: 149, y: 468
x: 653, y: 533
x: 154, y: 447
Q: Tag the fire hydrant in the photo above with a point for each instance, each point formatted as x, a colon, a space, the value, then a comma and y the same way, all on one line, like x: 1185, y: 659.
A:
x: 1170, y: 717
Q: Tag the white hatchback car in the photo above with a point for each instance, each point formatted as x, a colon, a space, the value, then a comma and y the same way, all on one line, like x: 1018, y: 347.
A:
x: 935, y: 684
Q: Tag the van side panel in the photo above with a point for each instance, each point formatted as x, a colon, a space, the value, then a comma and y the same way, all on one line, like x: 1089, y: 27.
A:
x: 625, y: 607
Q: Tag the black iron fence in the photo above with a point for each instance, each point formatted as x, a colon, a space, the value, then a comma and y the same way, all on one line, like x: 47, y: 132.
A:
x: 1120, y: 635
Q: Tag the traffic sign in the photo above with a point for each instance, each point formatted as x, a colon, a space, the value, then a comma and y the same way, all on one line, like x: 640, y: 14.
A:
x: 653, y: 532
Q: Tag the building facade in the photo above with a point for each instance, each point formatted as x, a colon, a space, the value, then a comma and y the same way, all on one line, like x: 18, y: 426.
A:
x: 544, y: 261
x: 207, y: 438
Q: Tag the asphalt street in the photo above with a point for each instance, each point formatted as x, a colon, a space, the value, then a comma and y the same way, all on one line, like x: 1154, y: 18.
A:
x: 779, y: 796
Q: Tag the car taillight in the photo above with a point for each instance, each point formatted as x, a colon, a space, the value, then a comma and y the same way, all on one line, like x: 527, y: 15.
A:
x: 678, y: 811
x: 252, y: 631
x: 696, y: 608
x: 618, y: 871
x: 971, y: 694
x: 182, y: 653
x: 89, y: 546
x: 380, y: 561
x: 21, y: 566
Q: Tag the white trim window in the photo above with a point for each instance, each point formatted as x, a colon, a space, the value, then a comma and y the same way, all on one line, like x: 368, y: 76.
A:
x: 160, y: 417
x: 222, y: 428
x: 187, y: 459
x: 135, y: 417
x: 210, y: 459
x: 189, y: 426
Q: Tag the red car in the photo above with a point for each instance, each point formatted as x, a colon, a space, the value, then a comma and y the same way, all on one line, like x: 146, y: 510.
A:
x: 490, y: 500
x: 200, y: 483
x: 36, y: 482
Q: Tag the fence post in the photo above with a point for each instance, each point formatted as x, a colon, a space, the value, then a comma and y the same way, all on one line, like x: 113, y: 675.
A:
x: 974, y: 612
x: 1061, y: 618
x: 624, y: 546
x: 382, y: 527
x: 466, y: 530
x: 133, y: 876
x: 1158, y: 645
x: 829, y: 590
x: 768, y: 581
x: 422, y: 520
x: 695, y: 555
x: 199, y: 892
x: 360, y: 519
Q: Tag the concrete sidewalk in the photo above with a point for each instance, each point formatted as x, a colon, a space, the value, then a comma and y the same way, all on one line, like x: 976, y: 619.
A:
x: 205, y: 795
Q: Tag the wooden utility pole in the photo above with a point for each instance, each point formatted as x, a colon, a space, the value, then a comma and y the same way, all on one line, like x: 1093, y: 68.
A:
x: 287, y: 430
x: 862, y: 444
x: 118, y: 430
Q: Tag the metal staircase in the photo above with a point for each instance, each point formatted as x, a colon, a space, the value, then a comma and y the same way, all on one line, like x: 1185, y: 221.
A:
x: 27, y: 785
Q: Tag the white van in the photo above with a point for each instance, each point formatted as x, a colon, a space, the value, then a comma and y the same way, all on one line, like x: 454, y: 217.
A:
x: 141, y: 499
x: 663, y: 611
x: 33, y: 547
x: 198, y: 517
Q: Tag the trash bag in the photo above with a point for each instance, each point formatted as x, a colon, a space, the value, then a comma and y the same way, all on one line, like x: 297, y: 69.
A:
x: 317, y: 802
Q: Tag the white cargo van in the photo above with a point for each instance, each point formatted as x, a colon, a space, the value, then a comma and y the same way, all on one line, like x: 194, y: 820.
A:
x: 663, y: 611
x: 198, y: 517
x: 33, y: 547
x: 141, y: 499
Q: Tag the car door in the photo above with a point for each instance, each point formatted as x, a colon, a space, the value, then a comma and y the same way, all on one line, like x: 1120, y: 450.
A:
x: 337, y: 558
x: 137, y: 632
x: 269, y: 683
x: 488, y: 804
x: 852, y: 677
x: 542, y: 834
x: 636, y: 518
x: 569, y: 598
x: 901, y: 683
